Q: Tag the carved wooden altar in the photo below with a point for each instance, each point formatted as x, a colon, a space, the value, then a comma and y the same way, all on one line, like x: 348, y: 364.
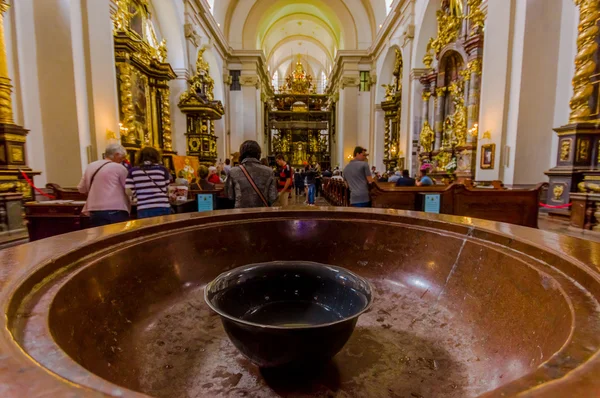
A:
x: 392, y: 106
x: 299, y: 125
x: 448, y: 139
x: 201, y: 110
x: 143, y: 76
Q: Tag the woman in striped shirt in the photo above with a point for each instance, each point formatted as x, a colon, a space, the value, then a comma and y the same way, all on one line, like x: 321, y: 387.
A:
x: 149, y: 183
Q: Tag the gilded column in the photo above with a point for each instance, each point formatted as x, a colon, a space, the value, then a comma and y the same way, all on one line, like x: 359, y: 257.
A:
x: 585, y: 64
x: 386, y: 140
x: 474, y: 97
x: 438, y: 126
x: 6, y: 111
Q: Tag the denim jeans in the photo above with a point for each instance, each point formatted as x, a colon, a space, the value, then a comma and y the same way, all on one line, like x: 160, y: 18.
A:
x: 106, y: 217
x: 311, y: 194
x: 365, y: 204
x: 156, y: 212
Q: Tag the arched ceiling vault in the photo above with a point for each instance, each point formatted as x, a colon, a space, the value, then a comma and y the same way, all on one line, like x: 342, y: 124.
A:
x: 302, y: 45
x: 329, y: 25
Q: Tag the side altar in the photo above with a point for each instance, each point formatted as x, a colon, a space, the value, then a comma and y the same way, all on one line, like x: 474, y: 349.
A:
x: 454, y: 60
x: 143, y: 76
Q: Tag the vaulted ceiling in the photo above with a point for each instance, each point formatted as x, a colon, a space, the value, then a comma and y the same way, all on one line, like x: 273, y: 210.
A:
x: 316, y: 29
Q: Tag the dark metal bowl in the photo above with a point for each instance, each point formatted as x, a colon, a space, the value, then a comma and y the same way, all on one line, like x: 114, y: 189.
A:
x: 288, y: 313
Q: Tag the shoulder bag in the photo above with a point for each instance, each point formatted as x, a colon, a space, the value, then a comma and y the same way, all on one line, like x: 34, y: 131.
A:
x: 251, y: 181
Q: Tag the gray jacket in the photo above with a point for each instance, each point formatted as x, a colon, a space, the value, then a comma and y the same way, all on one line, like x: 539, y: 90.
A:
x: 239, y: 189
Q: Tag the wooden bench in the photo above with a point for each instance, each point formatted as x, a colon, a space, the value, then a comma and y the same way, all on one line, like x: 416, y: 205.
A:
x: 496, y: 203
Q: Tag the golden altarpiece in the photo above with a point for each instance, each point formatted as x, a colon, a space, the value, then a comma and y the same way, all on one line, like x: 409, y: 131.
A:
x: 201, y: 111
x: 14, y: 171
x: 448, y: 139
x: 299, y: 123
x: 143, y: 75
x: 392, y: 106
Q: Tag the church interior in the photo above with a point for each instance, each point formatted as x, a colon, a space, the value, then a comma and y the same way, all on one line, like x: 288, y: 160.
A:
x: 478, y: 278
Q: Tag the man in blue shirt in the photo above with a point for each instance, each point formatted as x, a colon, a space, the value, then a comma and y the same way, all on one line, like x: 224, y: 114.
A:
x: 425, y: 180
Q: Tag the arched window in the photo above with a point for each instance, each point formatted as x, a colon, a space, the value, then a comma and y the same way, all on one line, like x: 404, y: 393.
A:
x: 211, y: 4
x: 323, y: 81
x: 388, y: 6
x: 275, y: 80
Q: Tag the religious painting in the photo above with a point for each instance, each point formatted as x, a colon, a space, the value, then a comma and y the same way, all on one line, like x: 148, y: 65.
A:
x: 140, y: 92
x: 488, y: 153
x: 188, y: 165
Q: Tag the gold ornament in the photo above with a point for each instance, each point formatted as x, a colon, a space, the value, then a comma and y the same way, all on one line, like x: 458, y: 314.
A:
x: 585, y: 65
x: 565, y: 149
x: 427, y: 136
x: 476, y: 17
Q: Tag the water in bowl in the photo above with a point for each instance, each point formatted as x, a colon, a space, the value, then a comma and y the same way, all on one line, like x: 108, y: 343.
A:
x: 292, y: 314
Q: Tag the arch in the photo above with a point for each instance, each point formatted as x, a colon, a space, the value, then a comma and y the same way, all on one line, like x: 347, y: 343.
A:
x: 452, y: 56
x: 250, y: 21
x: 300, y: 24
x: 170, y: 20
x: 385, y: 74
x: 426, y: 22
x: 281, y: 49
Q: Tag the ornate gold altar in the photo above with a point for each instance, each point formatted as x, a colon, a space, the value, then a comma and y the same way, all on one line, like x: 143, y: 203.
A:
x: 13, y: 159
x: 143, y: 76
x: 201, y: 110
x: 392, y: 105
x: 578, y: 155
x: 448, y: 140
x: 298, y: 121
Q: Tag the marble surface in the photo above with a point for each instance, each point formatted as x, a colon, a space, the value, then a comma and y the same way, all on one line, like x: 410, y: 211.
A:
x: 466, y: 307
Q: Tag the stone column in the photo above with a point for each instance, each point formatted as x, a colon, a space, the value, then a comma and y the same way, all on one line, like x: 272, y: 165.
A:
x: 251, y: 102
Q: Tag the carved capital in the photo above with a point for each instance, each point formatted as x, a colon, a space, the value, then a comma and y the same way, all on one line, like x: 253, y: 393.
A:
x: 349, y: 81
x: 191, y: 34
x: 250, y: 80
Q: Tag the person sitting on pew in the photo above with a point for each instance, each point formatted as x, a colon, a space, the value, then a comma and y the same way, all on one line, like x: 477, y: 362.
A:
x: 405, y: 180
x: 202, y: 184
x: 425, y: 180
x: 397, y: 175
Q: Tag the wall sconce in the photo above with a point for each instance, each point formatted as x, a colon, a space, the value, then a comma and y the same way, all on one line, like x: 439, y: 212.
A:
x: 487, y: 135
x: 349, y: 157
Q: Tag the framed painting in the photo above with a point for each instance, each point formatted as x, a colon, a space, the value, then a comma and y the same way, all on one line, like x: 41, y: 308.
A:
x: 488, y: 154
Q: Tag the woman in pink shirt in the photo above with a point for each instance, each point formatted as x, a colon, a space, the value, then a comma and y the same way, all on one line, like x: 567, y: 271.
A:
x: 104, y: 183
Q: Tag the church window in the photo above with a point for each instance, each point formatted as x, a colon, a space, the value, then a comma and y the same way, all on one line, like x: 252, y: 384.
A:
x: 235, y: 80
x: 365, y: 81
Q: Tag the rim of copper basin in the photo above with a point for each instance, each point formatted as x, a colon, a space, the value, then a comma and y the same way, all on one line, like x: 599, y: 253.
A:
x: 287, y: 328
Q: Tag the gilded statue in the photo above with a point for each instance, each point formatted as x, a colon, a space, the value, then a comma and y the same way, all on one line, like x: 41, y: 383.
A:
x: 427, y: 136
x: 389, y: 91
x: 459, y: 118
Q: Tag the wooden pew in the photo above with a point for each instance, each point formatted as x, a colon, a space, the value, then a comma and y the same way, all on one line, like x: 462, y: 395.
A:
x: 496, y: 203
x: 61, y: 193
x: 387, y: 196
